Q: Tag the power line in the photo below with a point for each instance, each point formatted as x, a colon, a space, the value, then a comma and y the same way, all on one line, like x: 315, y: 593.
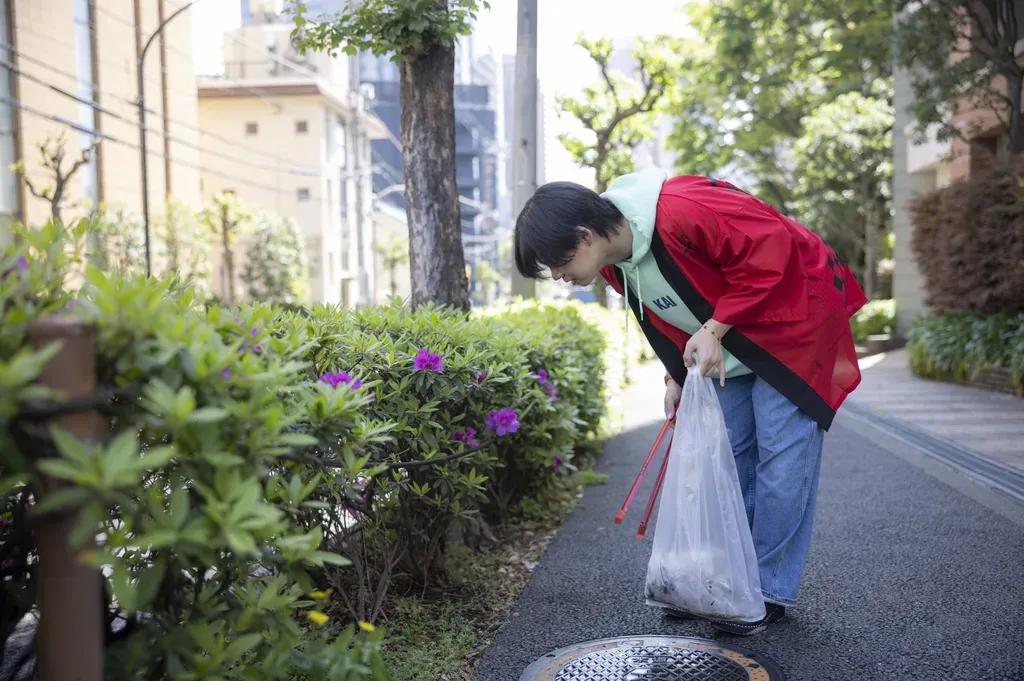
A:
x: 292, y: 170
x: 102, y: 135
x: 10, y: 67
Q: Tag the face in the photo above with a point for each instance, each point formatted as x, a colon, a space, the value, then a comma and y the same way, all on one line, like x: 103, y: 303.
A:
x: 586, y: 261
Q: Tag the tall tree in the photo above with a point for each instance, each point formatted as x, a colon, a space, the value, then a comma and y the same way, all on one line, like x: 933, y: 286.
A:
x: 419, y: 35
x: 758, y: 68
x: 843, y: 170
x: 964, y: 54
x: 616, y: 113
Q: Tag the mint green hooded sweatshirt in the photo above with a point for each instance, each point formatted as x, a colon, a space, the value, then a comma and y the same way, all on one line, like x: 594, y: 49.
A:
x: 636, y: 197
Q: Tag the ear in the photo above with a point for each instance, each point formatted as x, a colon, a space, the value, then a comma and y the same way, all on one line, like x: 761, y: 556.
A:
x: 585, y: 235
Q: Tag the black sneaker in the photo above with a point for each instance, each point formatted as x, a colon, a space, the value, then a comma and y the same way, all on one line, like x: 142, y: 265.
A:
x: 773, y: 612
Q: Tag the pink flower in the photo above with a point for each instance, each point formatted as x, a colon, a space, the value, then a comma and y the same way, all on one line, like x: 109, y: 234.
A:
x: 426, y: 360
x: 503, y: 421
x: 467, y: 437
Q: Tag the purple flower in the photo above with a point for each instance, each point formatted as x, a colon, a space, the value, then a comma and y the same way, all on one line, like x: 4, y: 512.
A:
x: 258, y: 348
x: 558, y: 464
x: 481, y: 376
x: 336, y: 378
x: 552, y: 390
x: 542, y: 376
x: 426, y: 360
x: 467, y: 437
x: 20, y: 264
x: 255, y: 331
x: 503, y: 421
x: 225, y: 374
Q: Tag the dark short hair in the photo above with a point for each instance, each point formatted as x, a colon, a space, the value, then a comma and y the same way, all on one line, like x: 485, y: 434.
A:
x: 545, y: 234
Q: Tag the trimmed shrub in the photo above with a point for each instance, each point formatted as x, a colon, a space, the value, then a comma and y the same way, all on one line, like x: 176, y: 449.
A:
x: 958, y: 346
x: 196, y: 500
x: 969, y: 243
x: 271, y: 469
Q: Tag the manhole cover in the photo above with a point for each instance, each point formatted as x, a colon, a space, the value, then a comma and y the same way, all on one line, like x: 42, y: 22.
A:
x: 652, y: 658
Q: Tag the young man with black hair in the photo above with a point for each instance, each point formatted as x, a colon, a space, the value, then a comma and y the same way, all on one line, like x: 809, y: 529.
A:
x: 762, y: 303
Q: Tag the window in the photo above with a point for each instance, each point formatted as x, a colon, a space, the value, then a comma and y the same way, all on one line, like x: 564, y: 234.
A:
x: 303, y: 194
x: 340, y: 140
x: 252, y: 128
x: 301, y: 127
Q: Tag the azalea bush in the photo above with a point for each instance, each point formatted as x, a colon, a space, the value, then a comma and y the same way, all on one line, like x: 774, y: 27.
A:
x: 482, y: 414
x: 197, y: 496
x: 272, y: 473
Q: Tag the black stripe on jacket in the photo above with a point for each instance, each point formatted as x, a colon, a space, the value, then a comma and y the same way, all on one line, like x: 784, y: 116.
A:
x: 753, y: 356
x: 670, y: 355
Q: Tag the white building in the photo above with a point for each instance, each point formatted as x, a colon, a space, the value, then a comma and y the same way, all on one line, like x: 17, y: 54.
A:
x: 314, y: 130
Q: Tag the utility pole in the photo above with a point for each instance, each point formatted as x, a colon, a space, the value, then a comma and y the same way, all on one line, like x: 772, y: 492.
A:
x: 140, y: 72
x: 524, y: 159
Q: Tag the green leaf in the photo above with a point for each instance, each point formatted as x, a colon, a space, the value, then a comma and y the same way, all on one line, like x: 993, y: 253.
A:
x: 208, y: 415
x: 325, y: 558
x: 298, y: 439
x: 61, y: 499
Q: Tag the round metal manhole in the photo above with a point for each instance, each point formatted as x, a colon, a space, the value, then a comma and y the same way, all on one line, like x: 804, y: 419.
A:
x: 653, y: 658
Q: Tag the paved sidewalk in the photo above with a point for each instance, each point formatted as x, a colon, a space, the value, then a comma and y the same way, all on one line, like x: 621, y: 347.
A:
x: 986, y: 422
x: 907, y: 578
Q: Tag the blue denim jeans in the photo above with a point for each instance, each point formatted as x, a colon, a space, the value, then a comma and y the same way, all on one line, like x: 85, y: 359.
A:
x: 778, y: 455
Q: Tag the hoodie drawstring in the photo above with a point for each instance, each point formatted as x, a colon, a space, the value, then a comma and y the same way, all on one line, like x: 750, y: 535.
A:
x: 625, y: 293
x: 639, y: 293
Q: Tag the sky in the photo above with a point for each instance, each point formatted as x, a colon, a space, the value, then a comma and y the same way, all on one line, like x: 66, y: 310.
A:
x: 562, y: 67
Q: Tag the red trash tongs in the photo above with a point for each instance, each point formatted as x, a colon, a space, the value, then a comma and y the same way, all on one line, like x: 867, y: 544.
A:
x: 640, y: 477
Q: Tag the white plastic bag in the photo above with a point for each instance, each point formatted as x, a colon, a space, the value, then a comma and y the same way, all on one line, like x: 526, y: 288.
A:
x: 703, y: 559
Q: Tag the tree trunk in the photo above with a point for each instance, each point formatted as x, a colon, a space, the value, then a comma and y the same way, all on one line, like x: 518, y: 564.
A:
x: 870, y: 254
x: 436, y: 261
x: 229, y: 257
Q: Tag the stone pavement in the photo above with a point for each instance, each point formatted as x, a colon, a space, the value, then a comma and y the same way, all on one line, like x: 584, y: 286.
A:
x: 916, y: 571
x: 989, y: 423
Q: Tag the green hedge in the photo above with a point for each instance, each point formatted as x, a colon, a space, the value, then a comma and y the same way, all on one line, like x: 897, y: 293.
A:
x: 271, y: 469
x: 957, y: 346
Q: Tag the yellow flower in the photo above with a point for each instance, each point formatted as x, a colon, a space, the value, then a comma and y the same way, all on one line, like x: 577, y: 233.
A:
x: 317, y: 617
x: 320, y: 595
x: 366, y: 626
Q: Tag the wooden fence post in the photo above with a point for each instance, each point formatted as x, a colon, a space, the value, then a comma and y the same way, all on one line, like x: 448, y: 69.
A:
x: 70, y: 634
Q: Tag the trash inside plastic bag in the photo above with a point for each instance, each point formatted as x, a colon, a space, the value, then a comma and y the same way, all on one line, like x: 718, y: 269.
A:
x: 703, y: 559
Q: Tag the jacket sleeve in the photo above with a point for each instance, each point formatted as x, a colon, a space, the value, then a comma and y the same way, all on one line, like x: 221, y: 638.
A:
x: 756, y: 255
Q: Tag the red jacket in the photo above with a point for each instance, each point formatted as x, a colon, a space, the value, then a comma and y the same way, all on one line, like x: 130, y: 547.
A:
x: 734, y: 258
